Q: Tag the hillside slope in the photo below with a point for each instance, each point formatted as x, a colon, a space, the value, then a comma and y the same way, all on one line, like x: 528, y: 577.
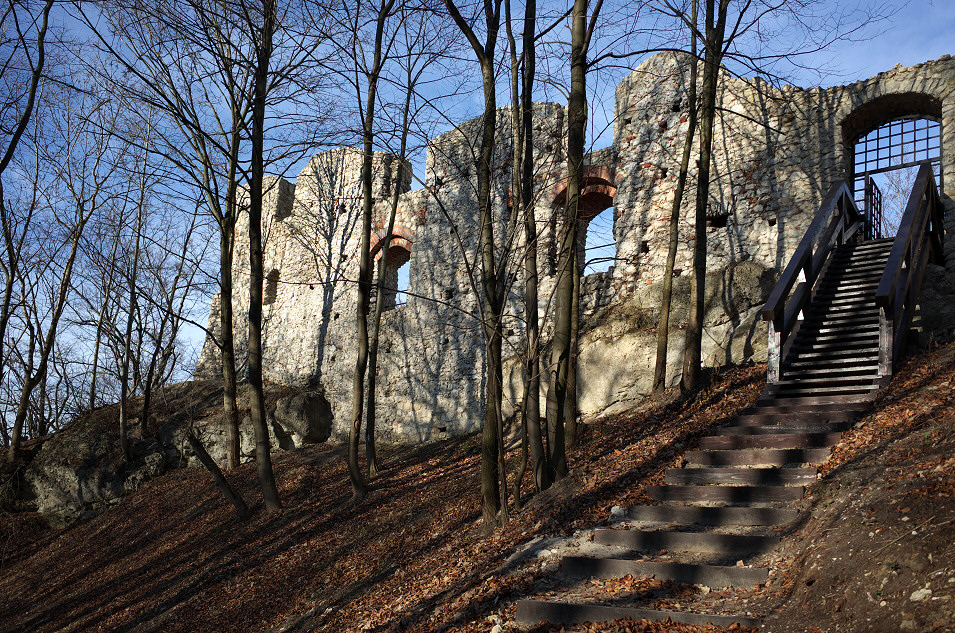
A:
x: 171, y: 558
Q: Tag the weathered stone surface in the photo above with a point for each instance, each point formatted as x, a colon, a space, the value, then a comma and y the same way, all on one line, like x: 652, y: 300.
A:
x: 777, y: 151
x: 306, y: 418
x: 79, y: 471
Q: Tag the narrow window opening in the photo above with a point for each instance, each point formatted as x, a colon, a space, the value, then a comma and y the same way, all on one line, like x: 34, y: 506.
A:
x: 271, y: 288
x: 597, y: 249
x: 396, y: 280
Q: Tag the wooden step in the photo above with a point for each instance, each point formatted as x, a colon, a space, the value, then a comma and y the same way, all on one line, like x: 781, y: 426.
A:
x: 861, y: 354
x: 870, y: 359
x: 806, y: 407
x: 790, y: 426
x: 863, y: 326
x: 820, y: 375
x: 783, y: 440
x: 842, y: 337
x: 727, y: 494
x: 534, y: 611
x: 748, y: 476
x: 710, y: 575
x: 713, y: 516
x: 789, y: 422
x: 758, y: 456
x: 799, y: 401
x: 826, y: 319
x: 824, y: 381
x: 791, y: 390
x: 844, y: 303
x: 731, y: 545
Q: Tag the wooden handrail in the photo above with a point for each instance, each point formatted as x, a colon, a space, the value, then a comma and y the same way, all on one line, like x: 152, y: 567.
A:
x: 837, y: 220
x: 838, y: 192
x: 918, y: 241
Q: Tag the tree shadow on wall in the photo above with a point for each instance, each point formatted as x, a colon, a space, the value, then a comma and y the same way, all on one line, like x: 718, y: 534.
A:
x: 323, y: 225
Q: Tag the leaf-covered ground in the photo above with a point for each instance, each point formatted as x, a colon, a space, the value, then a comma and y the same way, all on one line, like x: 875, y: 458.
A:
x: 411, y: 557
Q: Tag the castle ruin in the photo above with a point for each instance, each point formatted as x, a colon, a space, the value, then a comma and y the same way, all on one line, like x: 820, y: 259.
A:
x: 777, y: 151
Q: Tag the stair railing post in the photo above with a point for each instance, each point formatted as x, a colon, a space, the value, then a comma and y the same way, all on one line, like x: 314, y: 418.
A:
x: 886, y: 341
x: 774, y: 351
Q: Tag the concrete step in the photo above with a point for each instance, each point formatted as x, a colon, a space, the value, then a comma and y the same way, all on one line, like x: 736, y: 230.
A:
x: 687, y: 573
x: 727, y: 515
x: 534, y: 611
x: 758, y: 456
x: 736, y: 476
x: 730, y: 545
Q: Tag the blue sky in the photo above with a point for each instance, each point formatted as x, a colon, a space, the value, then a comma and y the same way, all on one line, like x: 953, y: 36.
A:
x: 920, y: 30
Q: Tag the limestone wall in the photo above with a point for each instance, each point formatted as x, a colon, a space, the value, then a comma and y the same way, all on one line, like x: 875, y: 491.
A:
x: 777, y: 151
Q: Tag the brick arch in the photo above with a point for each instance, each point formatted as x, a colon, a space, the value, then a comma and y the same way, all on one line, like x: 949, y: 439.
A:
x: 596, y: 194
x: 885, y: 108
x: 402, y: 240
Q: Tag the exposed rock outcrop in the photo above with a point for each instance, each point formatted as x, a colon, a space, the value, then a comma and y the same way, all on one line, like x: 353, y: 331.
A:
x: 80, y: 471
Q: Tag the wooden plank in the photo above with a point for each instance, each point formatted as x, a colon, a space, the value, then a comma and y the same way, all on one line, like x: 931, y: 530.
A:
x: 791, y: 426
x: 758, y: 456
x: 783, y: 440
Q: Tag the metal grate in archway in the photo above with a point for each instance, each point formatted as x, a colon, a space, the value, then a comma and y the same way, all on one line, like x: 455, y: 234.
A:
x: 885, y: 159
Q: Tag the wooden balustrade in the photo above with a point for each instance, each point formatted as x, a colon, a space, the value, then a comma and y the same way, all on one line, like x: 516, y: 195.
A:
x: 918, y: 241
x: 837, y: 221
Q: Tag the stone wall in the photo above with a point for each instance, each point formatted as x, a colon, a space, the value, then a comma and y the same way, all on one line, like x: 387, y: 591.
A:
x: 777, y: 151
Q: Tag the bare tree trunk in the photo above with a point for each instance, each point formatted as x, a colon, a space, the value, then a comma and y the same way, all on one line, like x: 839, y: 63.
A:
x: 570, y: 405
x: 241, y: 509
x: 538, y: 455
x: 522, y: 194
x: 230, y: 412
x: 371, y: 455
x: 101, y: 320
x: 561, y: 345
x: 359, y: 487
x: 490, y: 301
x: 490, y: 440
x: 133, y: 280
x: 693, y: 351
x: 263, y: 456
x: 663, y: 328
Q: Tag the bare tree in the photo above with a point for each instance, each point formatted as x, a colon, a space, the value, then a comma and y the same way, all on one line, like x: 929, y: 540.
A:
x: 522, y: 192
x: 23, y: 64
x: 663, y: 327
x: 78, y: 146
x: 491, y: 297
x: 583, y: 21
x: 371, y: 71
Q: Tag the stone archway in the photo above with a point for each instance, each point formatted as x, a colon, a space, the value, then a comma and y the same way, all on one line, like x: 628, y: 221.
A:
x: 888, y: 139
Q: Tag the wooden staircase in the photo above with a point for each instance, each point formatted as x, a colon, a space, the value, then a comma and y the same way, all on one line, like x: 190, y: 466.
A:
x: 831, y: 347
x: 740, y: 481
x: 835, y: 351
